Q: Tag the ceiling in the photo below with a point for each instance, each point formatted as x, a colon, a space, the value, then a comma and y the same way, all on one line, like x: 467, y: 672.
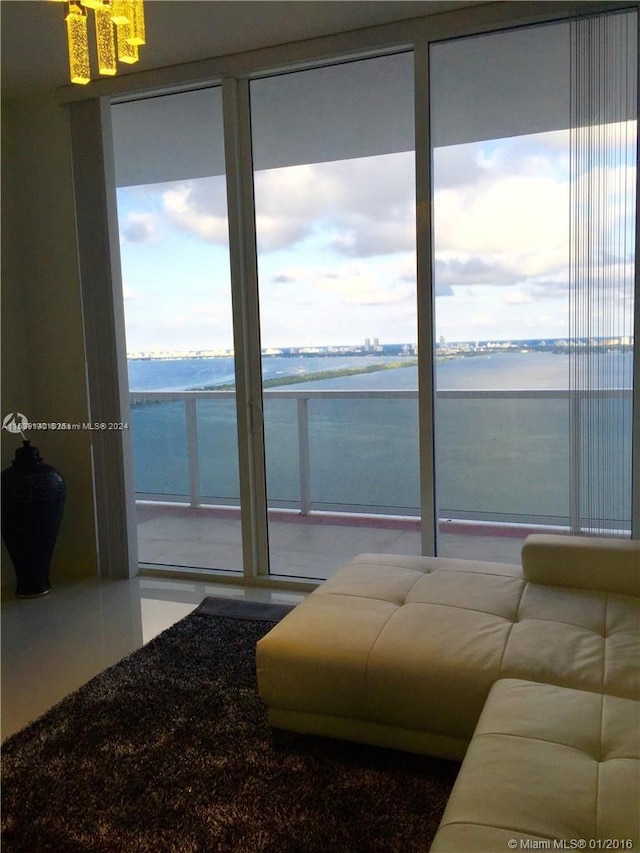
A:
x: 34, y: 56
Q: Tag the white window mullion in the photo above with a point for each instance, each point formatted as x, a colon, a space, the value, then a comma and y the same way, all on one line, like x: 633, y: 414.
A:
x: 424, y: 252
x: 103, y: 318
x: 244, y: 290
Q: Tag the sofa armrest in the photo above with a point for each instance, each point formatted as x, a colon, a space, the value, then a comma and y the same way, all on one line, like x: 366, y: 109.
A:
x: 607, y: 565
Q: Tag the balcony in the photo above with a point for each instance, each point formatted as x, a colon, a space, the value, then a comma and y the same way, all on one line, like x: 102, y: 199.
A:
x: 342, y: 478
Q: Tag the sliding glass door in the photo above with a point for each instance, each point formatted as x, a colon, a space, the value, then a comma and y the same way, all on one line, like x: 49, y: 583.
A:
x: 172, y: 211
x: 334, y: 186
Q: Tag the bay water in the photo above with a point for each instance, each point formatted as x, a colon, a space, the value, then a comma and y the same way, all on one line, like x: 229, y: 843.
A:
x: 497, y: 458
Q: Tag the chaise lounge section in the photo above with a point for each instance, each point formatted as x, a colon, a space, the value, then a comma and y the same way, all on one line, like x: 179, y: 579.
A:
x: 547, y: 766
x: 409, y: 652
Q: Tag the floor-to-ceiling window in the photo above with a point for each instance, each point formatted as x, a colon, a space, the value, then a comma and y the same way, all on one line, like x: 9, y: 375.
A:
x: 334, y: 185
x: 500, y: 145
x: 507, y: 442
x: 329, y: 155
x: 172, y: 212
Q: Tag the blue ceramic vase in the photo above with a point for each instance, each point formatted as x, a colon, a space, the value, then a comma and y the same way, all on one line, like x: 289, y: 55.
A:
x: 33, y: 497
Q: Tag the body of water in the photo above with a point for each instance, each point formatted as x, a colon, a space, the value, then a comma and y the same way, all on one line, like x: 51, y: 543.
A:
x: 496, y: 459
x: 496, y: 371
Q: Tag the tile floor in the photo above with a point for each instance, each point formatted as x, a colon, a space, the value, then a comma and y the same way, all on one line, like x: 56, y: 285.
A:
x: 53, y: 645
x: 311, y: 547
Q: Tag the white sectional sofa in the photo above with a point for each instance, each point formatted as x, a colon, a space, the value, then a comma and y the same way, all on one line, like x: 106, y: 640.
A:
x: 541, y: 661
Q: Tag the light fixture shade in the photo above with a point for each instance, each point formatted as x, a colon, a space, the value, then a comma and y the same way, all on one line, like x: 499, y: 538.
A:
x: 136, y: 14
x: 120, y: 12
x: 78, y: 41
x: 120, y: 29
x: 105, y: 41
x: 127, y: 52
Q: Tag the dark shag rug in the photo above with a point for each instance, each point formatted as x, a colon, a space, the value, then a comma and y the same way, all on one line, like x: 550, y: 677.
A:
x: 169, y: 751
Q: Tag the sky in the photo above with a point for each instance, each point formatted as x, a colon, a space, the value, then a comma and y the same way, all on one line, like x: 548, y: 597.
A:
x: 336, y: 249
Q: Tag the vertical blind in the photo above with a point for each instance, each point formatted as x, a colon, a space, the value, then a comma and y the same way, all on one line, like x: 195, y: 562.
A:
x: 602, y: 267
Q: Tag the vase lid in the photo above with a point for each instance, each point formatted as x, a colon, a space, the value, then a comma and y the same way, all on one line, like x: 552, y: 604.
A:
x: 27, y: 456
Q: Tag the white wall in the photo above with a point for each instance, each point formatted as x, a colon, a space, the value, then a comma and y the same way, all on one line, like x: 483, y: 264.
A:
x: 43, y: 364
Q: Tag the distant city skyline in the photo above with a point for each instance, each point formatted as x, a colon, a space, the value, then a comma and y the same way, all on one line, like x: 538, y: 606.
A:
x: 404, y: 348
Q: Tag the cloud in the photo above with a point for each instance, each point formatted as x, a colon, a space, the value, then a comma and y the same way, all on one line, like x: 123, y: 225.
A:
x: 456, y: 165
x: 471, y: 270
x: 380, y: 187
x: 178, y: 321
x: 551, y: 288
x: 139, y: 228
x: 509, y: 224
x: 367, y: 238
x: 351, y: 283
x: 199, y: 207
x: 542, y: 155
x: 443, y: 289
x: 338, y: 236
x: 482, y: 320
x: 377, y: 211
x: 358, y: 208
x: 513, y: 214
x: 517, y: 297
x: 212, y: 311
x: 501, y: 213
x: 359, y: 289
x: 289, y: 204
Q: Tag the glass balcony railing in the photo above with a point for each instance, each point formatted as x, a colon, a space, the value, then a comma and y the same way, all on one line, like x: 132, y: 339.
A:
x: 502, y: 456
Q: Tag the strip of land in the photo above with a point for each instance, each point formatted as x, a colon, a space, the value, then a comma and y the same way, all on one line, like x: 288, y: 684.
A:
x: 298, y: 378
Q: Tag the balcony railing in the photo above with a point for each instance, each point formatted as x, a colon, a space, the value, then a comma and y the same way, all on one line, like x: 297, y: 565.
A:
x: 503, y: 455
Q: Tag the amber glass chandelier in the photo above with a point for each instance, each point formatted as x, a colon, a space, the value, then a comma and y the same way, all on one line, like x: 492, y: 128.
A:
x: 119, y: 30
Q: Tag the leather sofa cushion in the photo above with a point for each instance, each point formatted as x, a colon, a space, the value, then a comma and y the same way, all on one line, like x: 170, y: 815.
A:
x: 417, y: 642
x: 586, y: 562
x: 546, y: 762
x: 576, y: 638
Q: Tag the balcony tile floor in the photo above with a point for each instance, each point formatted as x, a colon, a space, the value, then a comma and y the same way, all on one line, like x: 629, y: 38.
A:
x: 310, y: 547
